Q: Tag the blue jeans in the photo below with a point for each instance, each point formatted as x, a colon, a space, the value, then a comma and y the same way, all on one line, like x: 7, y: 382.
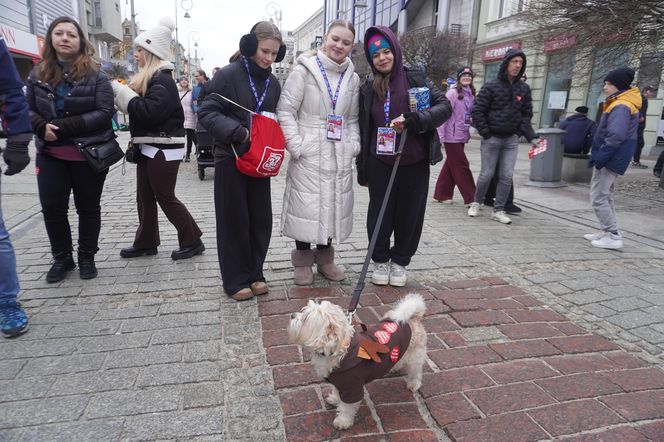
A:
x: 8, y: 277
x: 497, y: 154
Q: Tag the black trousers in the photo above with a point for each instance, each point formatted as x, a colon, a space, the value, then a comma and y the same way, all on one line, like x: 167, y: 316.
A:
x: 243, y: 207
x: 56, y: 179
x: 404, y: 214
x: 660, y: 163
x: 640, y: 142
x: 191, y: 138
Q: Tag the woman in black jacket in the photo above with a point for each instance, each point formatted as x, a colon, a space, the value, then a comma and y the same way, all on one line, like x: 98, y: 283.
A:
x: 71, y: 106
x: 243, y: 204
x: 382, y: 99
x: 156, y: 123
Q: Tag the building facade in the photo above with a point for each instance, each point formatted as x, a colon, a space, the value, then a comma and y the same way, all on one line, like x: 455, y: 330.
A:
x: 309, y: 35
x: 561, y: 76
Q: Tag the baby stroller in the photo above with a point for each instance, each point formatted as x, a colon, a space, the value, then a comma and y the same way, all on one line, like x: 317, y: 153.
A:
x: 204, y: 155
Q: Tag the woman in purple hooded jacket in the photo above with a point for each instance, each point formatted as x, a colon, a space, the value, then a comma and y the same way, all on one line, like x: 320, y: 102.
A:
x: 454, y: 134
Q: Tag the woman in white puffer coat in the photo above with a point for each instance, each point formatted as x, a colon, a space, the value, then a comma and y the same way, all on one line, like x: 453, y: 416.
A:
x: 318, y: 113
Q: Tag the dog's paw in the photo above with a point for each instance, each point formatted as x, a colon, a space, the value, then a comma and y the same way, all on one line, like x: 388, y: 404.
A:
x: 342, y: 422
x: 332, y: 399
x: 414, y: 385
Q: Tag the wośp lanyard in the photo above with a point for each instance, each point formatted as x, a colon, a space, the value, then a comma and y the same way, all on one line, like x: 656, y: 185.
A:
x: 386, y: 109
x: 333, y: 98
x: 259, y: 102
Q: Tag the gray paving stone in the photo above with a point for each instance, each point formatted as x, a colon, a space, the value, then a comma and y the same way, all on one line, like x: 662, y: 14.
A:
x: 42, y: 411
x: 126, y: 313
x: 633, y: 319
x: 202, y: 351
x: 153, y: 323
x: 62, y: 317
x: 542, y: 278
x: 587, y: 297
x: 622, y: 290
x: 626, y: 304
x: 649, y: 334
x: 204, y: 318
x: 179, y: 373
x: 482, y: 334
x: 142, y: 357
x: 93, y: 382
x: 10, y: 368
x: 128, y: 403
x: 114, y: 342
x: 24, y: 389
x: 186, y: 334
x: 204, y: 394
x: 187, y: 307
x: 97, y: 430
x: 180, y: 424
x: 53, y: 365
x: 583, y: 284
x: 96, y: 328
x: 598, y: 310
x: 17, y: 349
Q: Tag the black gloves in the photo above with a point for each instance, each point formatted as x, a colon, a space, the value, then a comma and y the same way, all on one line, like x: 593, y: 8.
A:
x: 240, y: 135
x: 38, y: 125
x: 16, y: 153
x: 412, y: 121
x: 69, y: 127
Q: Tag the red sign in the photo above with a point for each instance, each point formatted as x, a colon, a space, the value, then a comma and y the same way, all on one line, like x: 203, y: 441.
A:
x: 20, y: 42
x: 497, y: 52
x: 559, y: 42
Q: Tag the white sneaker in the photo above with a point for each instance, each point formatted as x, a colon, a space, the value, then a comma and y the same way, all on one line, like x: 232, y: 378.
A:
x: 501, y: 217
x: 381, y: 273
x: 609, y: 241
x: 596, y: 235
x: 474, y: 209
x: 398, y: 275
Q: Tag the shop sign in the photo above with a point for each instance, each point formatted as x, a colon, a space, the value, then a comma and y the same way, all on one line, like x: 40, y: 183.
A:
x: 497, y: 52
x: 20, y: 42
x: 559, y: 42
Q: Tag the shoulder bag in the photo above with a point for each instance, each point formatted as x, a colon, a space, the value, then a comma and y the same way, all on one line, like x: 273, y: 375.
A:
x: 101, y: 157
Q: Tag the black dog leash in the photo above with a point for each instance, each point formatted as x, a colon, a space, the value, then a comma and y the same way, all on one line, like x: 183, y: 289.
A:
x: 374, y: 237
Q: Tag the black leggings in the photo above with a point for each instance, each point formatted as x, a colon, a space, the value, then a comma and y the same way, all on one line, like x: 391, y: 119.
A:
x: 191, y: 137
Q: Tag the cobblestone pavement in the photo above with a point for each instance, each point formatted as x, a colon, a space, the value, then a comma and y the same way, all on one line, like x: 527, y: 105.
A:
x: 153, y: 350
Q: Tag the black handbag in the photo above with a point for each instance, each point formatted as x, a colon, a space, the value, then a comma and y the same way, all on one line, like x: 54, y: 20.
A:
x: 132, y: 153
x: 103, y: 156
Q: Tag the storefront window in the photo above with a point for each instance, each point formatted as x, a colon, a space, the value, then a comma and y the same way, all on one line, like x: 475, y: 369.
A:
x: 604, y: 62
x: 556, y: 89
x: 491, y: 71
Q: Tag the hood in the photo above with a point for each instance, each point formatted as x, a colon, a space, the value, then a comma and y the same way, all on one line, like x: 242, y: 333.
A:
x: 577, y: 116
x: 510, y: 54
x: 308, y: 60
x: 394, y: 42
x: 630, y: 98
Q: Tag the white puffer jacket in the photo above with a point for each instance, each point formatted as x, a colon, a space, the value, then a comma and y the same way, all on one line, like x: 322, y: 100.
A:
x: 189, y: 115
x: 318, y: 201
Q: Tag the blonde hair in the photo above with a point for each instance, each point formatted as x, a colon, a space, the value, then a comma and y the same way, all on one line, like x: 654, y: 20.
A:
x: 139, y: 83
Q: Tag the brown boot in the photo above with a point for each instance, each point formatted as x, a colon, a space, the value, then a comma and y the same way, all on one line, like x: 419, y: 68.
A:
x: 324, y: 259
x: 302, y: 262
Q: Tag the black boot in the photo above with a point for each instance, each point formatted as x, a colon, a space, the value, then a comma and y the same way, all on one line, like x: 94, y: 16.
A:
x: 86, y: 264
x: 64, y: 262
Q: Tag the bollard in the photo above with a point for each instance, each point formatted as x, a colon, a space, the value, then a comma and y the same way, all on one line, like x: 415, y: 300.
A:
x: 546, y: 167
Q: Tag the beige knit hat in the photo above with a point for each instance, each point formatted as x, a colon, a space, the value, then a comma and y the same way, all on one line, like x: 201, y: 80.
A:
x: 157, y: 40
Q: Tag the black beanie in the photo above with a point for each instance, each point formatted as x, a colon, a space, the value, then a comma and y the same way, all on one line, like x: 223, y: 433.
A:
x: 465, y: 70
x: 582, y: 109
x: 621, y: 78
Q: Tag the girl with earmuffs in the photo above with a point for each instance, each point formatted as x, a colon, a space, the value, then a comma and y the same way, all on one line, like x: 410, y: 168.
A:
x: 243, y: 203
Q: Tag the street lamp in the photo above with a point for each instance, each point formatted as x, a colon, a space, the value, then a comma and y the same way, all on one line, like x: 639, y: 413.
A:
x: 273, y: 9
x: 189, y: 4
x: 193, y: 35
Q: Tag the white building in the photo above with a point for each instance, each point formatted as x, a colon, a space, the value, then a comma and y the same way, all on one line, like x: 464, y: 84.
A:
x: 309, y: 34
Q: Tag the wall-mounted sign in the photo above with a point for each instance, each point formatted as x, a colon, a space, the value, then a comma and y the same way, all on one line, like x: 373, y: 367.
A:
x: 559, y: 42
x: 497, y: 52
x: 21, y: 42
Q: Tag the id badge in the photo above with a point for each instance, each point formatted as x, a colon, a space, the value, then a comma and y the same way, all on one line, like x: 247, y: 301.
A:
x: 334, y: 127
x: 466, y: 119
x: 386, y: 141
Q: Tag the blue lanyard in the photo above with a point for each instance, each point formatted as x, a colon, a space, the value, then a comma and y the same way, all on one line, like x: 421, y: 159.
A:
x: 333, y: 98
x: 386, y: 109
x: 259, y: 102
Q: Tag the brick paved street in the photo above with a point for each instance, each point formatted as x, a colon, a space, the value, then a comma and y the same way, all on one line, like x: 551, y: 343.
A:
x: 533, y: 334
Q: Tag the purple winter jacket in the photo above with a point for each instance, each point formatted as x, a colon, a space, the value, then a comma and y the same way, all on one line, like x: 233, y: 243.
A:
x: 456, y: 129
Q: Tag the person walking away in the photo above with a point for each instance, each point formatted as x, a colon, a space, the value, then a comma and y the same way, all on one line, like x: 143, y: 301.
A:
x: 383, y: 99
x: 157, y: 125
x: 16, y: 125
x: 648, y: 92
x: 502, y: 114
x: 318, y: 112
x: 454, y: 134
x: 613, y: 146
x: 190, y: 119
x: 71, y: 106
x: 579, y: 132
x: 242, y: 203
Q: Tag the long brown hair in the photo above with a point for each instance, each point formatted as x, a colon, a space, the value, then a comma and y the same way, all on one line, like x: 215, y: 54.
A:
x: 263, y: 30
x: 459, y: 88
x: 82, y: 66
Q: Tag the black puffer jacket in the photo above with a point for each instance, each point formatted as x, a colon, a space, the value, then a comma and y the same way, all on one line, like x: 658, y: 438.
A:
x: 503, y: 109
x: 158, y: 113
x: 430, y: 119
x: 227, y: 122
x: 88, y: 109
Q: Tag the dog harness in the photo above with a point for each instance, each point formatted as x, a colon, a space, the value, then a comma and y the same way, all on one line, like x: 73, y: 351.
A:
x: 386, y: 341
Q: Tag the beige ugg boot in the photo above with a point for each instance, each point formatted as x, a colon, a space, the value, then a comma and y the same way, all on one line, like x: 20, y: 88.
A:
x: 324, y: 260
x: 302, y: 261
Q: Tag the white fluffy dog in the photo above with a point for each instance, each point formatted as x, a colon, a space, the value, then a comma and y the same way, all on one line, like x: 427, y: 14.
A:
x: 349, y: 360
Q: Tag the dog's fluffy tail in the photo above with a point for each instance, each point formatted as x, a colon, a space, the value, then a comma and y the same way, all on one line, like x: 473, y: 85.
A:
x: 409, y: 307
